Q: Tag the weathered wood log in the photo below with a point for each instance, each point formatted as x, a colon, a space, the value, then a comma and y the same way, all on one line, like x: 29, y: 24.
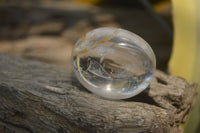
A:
x: 36, y: 97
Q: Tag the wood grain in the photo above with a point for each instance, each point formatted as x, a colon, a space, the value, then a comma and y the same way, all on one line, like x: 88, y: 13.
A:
x: 36, y: 97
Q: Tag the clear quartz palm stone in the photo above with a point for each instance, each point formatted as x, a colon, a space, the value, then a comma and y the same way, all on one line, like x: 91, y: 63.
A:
x: 113, y: 63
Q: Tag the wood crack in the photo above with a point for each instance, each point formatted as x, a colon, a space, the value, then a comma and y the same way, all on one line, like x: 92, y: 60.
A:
x: 9, y: 126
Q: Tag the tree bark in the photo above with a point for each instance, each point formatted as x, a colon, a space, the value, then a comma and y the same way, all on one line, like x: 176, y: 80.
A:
x: 36, y: 97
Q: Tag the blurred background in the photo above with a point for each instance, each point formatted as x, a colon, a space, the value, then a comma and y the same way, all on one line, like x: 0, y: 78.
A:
x: 46, y: 30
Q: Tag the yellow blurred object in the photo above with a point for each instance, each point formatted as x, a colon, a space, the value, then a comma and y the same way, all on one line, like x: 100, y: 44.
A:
x: 185, y: 60
x: 160, y: 6
x: 185, y: 41
x: 90, y: 1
